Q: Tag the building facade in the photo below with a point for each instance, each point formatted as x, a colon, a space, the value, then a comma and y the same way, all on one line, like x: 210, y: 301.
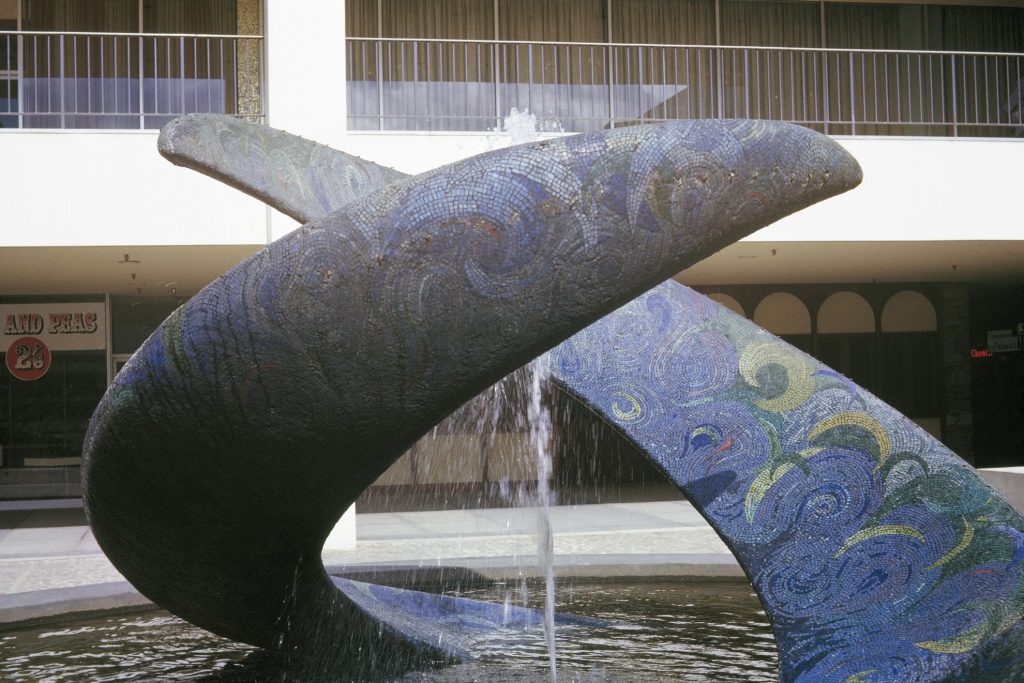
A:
x: 912, y: 284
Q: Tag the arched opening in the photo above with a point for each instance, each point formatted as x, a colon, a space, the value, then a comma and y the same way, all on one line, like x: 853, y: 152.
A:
x: 728, y: 302
x: 911, y: 360
x: 846, y: 313
x: 909, y: 311
x: 846, y: 338
x: 784, y: 314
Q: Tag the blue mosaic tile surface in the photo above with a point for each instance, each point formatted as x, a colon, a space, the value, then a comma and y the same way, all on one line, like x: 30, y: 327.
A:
x: 879, y: 555
x: 451, y: 623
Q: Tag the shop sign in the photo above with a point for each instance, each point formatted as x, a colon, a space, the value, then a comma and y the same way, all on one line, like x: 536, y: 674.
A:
x: 59, y: 327
x: 1001, y: 341
x: 28, y: 358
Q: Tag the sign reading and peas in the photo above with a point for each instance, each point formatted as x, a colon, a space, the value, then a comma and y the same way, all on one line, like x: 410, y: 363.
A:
x: 31, y: 332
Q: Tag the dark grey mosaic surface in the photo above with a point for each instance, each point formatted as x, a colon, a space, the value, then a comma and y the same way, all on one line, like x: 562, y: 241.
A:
x: 301, y: 178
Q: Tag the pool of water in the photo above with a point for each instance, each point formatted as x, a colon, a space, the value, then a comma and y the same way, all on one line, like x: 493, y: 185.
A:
x: 657, y: 631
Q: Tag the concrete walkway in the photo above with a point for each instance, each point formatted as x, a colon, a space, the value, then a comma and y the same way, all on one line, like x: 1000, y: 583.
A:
x: 50, y: 563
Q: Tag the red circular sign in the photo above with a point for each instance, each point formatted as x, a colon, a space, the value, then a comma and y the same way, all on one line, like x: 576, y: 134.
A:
x: 28, y: 358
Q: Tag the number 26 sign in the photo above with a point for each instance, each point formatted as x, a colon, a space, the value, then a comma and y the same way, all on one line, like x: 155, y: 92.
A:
x: 28, y: 358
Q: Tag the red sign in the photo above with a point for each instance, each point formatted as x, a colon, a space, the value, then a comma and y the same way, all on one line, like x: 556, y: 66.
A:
x: 981, y: 353
x: 28, y: 358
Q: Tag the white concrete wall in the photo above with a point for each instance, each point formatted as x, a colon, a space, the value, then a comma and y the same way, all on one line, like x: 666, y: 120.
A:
x: 120, y: 191
x: 68, y: 188
x: 343, y: 535
x: 419, y: 152
x: 920, y: 189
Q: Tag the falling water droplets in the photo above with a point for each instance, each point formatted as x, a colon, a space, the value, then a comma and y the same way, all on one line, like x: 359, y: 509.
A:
x: 539, y: 417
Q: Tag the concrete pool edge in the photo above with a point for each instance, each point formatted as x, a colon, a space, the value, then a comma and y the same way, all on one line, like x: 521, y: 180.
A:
x: 29, y: 608
x: 58, y: 605
x: 697, y: 566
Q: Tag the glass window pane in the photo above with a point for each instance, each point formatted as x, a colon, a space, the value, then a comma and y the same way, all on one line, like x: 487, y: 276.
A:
x: 117, y: 16
x: 576, y: 21
x: 134, y: 318
x: 774, y: 23
x: 217, y: 17
x: 43, y: 422
x: 445, y: 19
x: 981, y: 29
x: 666, y: 22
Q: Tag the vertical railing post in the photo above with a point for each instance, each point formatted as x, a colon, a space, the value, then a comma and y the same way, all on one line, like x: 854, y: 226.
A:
x: 720, y: 82
x: 60, y: 80
x: 610, y: 66
x: 497, y: 95
x: 640, y: 82
x: 21, y: 80
x: 826, y: 95
x: 181, y: 73
x: 380, y: 83
x: 952, y: 85
x: 853, y: 105
x: 529, y: 77
x: 140, y: 79
x: 747, y: 81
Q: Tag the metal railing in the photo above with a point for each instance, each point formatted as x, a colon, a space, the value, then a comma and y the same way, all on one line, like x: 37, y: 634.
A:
x: 125, y: 80
x: 408, y: 84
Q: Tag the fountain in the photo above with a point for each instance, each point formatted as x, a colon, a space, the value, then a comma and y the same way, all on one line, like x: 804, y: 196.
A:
x: 877, y: 554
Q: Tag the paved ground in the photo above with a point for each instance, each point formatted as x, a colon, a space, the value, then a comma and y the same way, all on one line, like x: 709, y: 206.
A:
x: 587, y: 539
x: 49, y: 556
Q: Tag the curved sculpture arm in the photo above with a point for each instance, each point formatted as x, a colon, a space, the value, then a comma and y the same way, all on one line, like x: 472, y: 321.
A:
x: 225, y: 450
x: 878, y: 554
x: 298, y: 177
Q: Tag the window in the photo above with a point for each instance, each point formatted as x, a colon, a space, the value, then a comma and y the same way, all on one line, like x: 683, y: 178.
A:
x: 846, y: 337
x: 43, y: 422
x: 83, y: 64
x: 8, y: 65
x: 911, y: 377
x: 783, y: 314
x: 614, y: 63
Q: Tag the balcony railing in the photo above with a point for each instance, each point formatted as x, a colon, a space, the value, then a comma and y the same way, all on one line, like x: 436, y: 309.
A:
x: 396, y: 84
x: 125, y: 80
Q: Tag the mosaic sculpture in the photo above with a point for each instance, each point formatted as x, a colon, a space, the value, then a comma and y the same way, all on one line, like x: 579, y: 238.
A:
x: 878, y: 553
x: 228, y: 446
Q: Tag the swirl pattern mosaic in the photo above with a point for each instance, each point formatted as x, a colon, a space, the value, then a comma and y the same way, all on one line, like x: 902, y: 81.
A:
x: 878, y: 554
x: 227, y: 447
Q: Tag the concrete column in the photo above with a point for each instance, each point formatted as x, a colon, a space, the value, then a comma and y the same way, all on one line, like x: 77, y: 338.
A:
x: 956, y: 368
x: 305, y: 68
x: 305, y: 81
x: 250, y: 97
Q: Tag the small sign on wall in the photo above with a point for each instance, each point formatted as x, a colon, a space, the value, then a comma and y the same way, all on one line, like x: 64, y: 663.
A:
x: 29, y: 333
x: 61, y: 327
x: 1001, y: 341
x: 28, y: 358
